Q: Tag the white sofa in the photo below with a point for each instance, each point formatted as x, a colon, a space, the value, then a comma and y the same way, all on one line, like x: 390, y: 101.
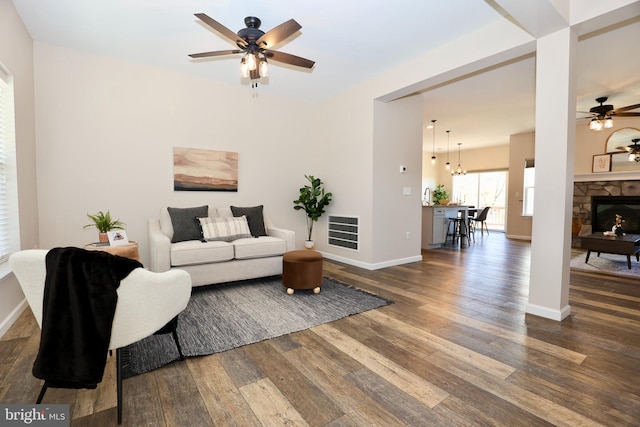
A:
x: 210, y: 262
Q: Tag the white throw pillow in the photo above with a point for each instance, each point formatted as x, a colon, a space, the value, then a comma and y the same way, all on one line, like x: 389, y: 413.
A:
x: 225, y: 229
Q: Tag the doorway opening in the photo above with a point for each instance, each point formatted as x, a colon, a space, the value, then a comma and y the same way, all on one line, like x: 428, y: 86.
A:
x: 482, y: 189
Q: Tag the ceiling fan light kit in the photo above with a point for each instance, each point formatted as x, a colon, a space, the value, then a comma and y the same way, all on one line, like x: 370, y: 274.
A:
x: 634, y: 150
x: 602, y: 115
x: 255, y: 44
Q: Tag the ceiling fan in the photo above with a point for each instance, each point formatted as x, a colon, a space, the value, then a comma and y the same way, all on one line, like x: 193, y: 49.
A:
x: 633, y: 149
x: 256, y: 45
x: 602, y: 115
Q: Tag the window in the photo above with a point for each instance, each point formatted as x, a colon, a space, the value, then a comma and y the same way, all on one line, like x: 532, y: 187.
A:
x: 482, y: 189
x: 9, y: 226
x: 529, y: 177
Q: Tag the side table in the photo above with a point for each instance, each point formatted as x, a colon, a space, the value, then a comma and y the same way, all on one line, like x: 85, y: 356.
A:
x: 127, y: 251
x: 302, y: 270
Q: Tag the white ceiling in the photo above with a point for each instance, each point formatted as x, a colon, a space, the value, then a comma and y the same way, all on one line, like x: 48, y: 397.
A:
x: 350, y: 42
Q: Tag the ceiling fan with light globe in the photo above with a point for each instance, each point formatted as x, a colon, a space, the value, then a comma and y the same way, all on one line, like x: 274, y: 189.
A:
x: 633, y: 149
x: 255, y: 45
x: 602, y: 115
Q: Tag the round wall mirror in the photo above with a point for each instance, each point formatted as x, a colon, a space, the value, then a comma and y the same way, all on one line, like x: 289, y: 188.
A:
x: 617, y: 144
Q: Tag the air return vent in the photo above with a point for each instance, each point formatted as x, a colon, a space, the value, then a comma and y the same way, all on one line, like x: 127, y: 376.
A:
x: 343, y: 231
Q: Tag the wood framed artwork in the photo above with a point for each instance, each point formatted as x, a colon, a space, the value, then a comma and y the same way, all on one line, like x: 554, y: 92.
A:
x: 601, y: 163
x: 196, y: 169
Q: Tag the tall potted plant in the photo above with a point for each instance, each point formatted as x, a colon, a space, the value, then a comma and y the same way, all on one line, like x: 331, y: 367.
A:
x: 313, y: 199
x: 104, y: 222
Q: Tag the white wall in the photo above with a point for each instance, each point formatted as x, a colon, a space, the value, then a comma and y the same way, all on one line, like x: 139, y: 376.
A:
x: 397, y: 209
x: 106, y: 130
x: 344, y: 150
x: 16, y: 55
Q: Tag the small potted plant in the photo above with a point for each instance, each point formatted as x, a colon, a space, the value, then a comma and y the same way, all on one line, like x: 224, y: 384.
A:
x: 103, y: 222
x: 440, y: 195
x: 313, y: 199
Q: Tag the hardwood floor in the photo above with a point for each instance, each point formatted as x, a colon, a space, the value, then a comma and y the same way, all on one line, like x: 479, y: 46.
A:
x: 455, y: 349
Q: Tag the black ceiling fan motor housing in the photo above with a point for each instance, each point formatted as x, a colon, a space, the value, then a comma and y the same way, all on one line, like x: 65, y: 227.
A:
x: 252, y: 33
x: 601, y: 109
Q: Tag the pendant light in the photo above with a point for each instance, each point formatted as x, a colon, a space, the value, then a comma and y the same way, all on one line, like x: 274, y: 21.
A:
x: 459, y: 170
x: 448, y: 165
x: 433, y: 152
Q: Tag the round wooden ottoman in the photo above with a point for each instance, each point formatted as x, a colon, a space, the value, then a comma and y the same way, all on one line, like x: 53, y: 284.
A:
x: 302, y: 270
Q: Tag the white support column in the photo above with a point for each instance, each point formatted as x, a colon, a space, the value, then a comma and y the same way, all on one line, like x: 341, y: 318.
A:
x: 554, y: 156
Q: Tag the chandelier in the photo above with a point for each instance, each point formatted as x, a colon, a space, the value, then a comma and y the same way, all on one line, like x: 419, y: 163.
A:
x: 459, y: 170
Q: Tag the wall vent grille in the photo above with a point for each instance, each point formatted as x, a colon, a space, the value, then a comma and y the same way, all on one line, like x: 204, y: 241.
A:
x: 343, y: 231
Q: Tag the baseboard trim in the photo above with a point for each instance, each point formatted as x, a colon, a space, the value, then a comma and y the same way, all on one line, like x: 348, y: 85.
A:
x: 516, y: 237
x: 548, y: 313
x: 376, y: 266
x: 12, y: 317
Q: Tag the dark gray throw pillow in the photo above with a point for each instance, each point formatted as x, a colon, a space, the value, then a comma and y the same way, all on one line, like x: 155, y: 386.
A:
x: 185, y: 223
x: 254, y: 218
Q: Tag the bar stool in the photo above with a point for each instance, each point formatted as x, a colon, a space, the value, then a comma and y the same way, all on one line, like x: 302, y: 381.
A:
x: 458, y: 228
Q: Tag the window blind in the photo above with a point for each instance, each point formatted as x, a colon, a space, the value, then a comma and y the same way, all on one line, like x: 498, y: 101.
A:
x: 9, y: 224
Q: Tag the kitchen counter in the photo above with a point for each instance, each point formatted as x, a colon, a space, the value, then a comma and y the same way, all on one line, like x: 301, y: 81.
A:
x: 434, y: 223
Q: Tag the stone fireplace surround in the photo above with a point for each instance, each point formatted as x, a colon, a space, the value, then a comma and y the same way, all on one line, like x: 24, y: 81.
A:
x: 583, y: 191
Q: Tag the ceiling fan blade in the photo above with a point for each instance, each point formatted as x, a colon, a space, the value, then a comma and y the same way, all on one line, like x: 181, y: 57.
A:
x: 215, y: 53
x: 287, y: 58
x: 617, y: 111
x: 233, y: 37
x: 279, y: 33
x: 627, y: 114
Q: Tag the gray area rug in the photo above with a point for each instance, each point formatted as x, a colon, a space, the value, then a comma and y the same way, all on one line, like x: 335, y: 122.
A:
x: 612, y: 264
x: 223, y: 317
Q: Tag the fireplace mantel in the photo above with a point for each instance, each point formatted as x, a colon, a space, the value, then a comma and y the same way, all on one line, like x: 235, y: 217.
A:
x: 607, y: 176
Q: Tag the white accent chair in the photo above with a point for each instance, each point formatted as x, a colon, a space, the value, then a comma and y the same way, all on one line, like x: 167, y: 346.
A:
x: 147, y: 301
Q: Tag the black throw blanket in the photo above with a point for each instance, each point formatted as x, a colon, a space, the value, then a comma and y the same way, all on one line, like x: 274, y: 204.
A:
x: 79, y: 304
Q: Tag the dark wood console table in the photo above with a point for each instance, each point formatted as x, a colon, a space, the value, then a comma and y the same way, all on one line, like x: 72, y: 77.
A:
x: 628, y: 245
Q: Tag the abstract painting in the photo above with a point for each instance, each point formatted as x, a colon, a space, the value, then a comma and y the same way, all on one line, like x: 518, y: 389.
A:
x: 204, y: 170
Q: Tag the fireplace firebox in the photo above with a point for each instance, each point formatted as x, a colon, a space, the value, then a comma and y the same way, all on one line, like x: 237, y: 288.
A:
x: 605, y: 208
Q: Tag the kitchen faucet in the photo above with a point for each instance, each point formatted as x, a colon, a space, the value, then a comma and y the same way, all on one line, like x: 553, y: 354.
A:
x: 426, y: 199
